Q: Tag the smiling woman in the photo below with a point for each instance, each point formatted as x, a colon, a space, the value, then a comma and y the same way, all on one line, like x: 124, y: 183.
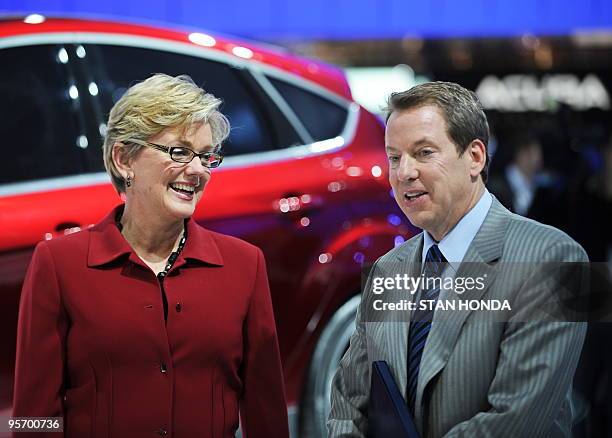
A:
x: 141, y: 321
x: 155, y: 175
x: 144, y: 111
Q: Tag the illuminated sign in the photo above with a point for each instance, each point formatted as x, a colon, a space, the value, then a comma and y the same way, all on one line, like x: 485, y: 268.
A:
x: 529, y: 93
x: 362, y: 19
x: 371, y: 86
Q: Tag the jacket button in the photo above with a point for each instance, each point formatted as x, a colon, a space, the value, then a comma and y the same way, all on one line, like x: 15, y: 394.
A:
x: 163, y: 368
x: 179, y: 307
x: 162, y: 432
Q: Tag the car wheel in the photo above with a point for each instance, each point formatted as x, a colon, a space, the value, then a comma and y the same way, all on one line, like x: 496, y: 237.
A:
x: 330, y: 348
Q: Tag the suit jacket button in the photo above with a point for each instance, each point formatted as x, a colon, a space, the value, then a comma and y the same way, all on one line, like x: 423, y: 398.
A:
x: 179, y: 307
x: 162, y: 432
x: 163, y: 368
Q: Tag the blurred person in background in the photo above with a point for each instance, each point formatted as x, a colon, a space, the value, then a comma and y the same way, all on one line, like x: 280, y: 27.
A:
x: 516, y: 188
x: 524, y: 186
x: 148, y: 324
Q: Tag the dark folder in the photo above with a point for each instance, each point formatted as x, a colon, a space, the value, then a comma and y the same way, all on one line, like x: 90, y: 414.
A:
x: 388, y: 414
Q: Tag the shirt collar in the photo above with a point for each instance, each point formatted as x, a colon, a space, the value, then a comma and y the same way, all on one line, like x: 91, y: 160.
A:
x: 106, y: 244
x: 456, y: 243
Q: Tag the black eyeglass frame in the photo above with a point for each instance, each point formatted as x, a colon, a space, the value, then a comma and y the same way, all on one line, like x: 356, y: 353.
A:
x: 170, y: 149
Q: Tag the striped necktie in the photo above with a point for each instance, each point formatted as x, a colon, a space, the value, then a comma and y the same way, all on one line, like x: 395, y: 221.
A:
x: 420, y: 321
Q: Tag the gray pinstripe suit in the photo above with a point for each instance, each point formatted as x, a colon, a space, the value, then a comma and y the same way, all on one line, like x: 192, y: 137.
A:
x: 478, y: 377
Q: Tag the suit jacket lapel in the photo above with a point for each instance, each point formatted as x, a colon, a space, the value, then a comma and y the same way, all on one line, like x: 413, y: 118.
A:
x: 486, y: 247
x: 396, y: 333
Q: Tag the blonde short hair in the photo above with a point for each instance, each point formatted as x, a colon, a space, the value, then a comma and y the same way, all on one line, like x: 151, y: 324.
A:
x: 157, y: 103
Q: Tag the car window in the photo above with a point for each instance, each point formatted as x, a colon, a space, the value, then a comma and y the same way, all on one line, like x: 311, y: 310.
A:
x: 115, y: 68
x: 323, y: 118
x: 40, y: 113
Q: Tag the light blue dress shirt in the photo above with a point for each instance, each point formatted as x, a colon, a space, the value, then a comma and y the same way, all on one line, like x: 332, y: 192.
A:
x: 456, y: 243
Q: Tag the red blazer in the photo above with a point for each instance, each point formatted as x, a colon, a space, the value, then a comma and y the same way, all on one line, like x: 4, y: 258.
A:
x: 92, y: 345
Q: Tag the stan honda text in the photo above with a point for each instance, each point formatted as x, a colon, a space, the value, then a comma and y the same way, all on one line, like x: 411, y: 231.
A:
x: 444, y: 305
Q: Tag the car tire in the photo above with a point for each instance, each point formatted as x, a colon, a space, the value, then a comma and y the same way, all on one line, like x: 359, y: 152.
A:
x: 330, y: 348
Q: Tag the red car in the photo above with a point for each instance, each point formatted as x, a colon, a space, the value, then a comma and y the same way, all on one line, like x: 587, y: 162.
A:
x: 304, y: 176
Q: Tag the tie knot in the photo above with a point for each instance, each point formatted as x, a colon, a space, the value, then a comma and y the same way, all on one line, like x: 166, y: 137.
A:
x: 434, y: 261
x: 434, y: 255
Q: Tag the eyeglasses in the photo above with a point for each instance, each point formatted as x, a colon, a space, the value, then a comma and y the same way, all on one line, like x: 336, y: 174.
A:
x: 182, y: 154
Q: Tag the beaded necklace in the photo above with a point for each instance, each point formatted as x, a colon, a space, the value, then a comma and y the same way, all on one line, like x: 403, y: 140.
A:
x: 173, y: 256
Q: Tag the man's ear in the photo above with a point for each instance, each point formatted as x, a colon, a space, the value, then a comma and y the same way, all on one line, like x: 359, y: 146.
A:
x: 478, y: 157
x: 122, y: 162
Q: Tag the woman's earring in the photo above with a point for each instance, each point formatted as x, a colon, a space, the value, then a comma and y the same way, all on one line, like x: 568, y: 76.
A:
x: 128, y: 181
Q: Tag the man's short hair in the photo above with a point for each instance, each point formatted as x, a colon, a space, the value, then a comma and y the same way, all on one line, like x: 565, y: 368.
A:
x: 462, y: 111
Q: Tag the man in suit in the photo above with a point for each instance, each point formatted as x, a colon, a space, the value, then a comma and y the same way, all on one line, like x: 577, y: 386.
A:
x: 462, y: 373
